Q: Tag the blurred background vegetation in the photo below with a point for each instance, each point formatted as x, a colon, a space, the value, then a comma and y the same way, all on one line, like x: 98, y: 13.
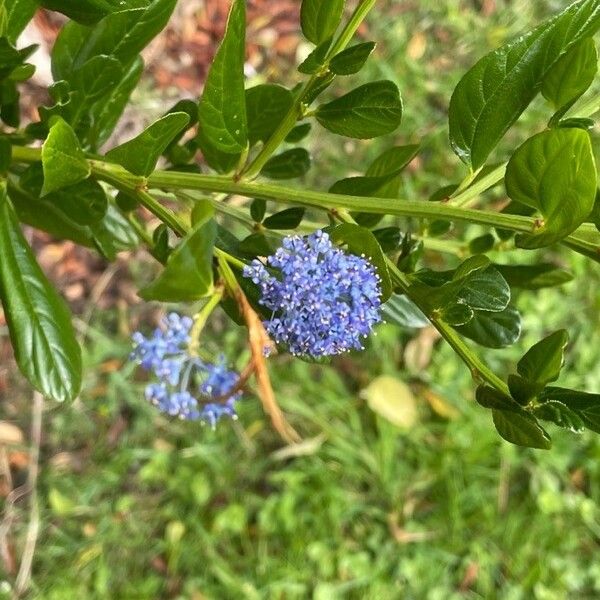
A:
x: 133, y: 505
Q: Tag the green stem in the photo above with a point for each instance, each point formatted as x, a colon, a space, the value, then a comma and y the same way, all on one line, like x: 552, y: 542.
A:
x: 174, y: 180
x: 297, y: 109
x: 359, y: 15
x: 201, y: 318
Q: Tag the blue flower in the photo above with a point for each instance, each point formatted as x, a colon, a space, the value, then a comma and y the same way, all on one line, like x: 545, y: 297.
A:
x: 166, y: 355
x: 324, y: 301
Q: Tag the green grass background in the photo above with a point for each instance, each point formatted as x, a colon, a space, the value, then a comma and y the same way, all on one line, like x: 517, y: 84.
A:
x: 442, y: 510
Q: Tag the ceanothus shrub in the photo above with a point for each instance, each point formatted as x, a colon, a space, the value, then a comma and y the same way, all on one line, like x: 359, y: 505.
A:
x: 314, y: 287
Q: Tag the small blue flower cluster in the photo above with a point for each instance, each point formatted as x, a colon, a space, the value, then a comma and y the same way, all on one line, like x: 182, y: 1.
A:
x: 324, y: 300
x: 166, y: 355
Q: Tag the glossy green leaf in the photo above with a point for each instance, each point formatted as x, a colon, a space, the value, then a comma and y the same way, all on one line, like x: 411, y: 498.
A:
x: 571, y: 75
x: 222, y: 109
x: 389, y: 238
x: 490, y: 397
x: 97, y: 76
x: 316, y: 60
x: 482, y: 243
x: 82, y: 11
x: 555, y: 173
x: 105, y: 115
x: 140, y: 155
x: 42, y: 214
x: 400, y: 310
x: 222, y: 162
x: 561, y: 415
x: 534, y: 277
x: 543, y: 361
x: 381, y: 179
x: 521, y: 428
x: 85, y: 202
x: 188, y: 274
x: 18, y: 14
x: 266, y: 106
x: 114, y: 234
x: 287, y: 165
x: 485, y: 289
x: 584, y: 404
x: 369, y: 111
x: 493, y: 329
x: 38, y: 319
x: 298, y: 133
x: 320, y: 19
x: 258, y: 209
x: 289, y: 218
x: 258, y: 244
x: 494, y: 93
x: 352, y: 59
x: 522, y: 390
x: 457, y: 314
x: 122, y: 34
x: 62, y: 158
x: 362, y: 242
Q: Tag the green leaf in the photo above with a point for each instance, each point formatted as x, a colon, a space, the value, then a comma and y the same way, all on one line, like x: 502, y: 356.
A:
x: 352, y: 59
x: 258, y: 244
x: 287, y: 165
x: 258, y: 209
x: 42, y: 214
x: 62, y: 158
x: 493, y: 329
x: 362, y: 242
x: 484, y: 289
x: 490, y: 397
x: 38, y: 319
x: 522, y: 390
x: 555, y: 173
x: 369, y: 111
x: 217, y: 160
x: 82, y: 11
x: 222, y: 108
x: 494, y: 93
x: 481, y: 244
x: 114, y: 234
x: 85, y: 202
x: 106, y: 114
x: 18, y: 14
x: 534, y: 277
x: 140, y: 155
x: 457, y: 314
x: 389, y: 238
x: 266, y: 106
x: 188, y: 274
x: 320, y: 19
x: 584, y: 404
x: 122, y: 34
x: 571, y: 75
x: 543, y: 361
x: 558, y: 413
x: 521, y: 428
x: 289, y: 218
x: 401, y: 311
x: 316, y: 60
x: 95, y: 78
x: 381, y: 179
x: 298, y: 133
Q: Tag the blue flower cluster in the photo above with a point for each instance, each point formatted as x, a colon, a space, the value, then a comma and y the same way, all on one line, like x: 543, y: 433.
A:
x: 166, y: 355
x: 324, y: 301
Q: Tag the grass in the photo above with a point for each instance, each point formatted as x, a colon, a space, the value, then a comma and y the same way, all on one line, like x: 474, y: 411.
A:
x: 134, y: 506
